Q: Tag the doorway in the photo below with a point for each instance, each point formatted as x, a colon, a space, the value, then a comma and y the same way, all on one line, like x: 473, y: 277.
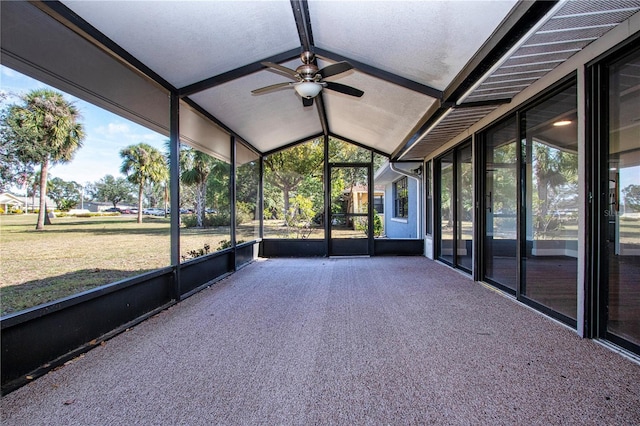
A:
x: 615, y: 186
x: 349, y: 233
x: 454, y: 243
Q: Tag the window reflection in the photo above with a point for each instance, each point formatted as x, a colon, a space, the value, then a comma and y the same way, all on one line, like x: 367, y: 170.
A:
x: 622, y: 214
x: 500, y: 204
x: 445, y: 249
x: 550, y: 203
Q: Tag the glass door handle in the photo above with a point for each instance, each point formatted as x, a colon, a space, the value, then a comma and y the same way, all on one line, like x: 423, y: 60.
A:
x: 489, y: 205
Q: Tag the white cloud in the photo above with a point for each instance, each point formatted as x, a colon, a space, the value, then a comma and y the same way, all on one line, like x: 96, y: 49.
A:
x: 114, y: 129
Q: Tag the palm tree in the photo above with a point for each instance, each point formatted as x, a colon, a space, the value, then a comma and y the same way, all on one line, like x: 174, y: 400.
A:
x: 196, y: 167
x: 143, y: 164
x: 45, y: 130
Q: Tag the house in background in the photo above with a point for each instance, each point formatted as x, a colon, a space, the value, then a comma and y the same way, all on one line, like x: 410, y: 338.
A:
x: 9, y: 202
x: 401, y: 200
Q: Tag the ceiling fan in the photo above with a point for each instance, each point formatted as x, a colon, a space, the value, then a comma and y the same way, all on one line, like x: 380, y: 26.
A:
x: 309, y: 79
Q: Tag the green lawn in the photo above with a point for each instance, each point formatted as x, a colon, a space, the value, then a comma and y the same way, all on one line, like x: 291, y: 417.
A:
x: 76, y: 254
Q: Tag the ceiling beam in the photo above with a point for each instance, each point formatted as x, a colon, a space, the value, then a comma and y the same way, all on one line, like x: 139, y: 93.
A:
x: 322, y: 113
x: 303, y: 23
x: 301, y: 15
x: 381, y: 74
x: 236, y: 73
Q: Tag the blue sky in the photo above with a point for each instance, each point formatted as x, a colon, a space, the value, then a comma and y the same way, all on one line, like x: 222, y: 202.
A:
x: 106, y: 133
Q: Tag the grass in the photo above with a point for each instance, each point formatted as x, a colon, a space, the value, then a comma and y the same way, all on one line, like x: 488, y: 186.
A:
x: 76, y: 254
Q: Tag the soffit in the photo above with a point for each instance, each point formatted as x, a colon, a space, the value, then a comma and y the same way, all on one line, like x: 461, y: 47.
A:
x: 570, y: 27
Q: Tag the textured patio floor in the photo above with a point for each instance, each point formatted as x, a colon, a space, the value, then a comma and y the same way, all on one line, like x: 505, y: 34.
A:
x: 387, y: 340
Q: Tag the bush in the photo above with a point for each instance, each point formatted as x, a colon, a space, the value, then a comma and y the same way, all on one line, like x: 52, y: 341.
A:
x: 189, y: 220
x: 218, y: 219
x: 1, y: 210
x: 244, y: 212
x: 210, y: 220
x: 225, y: 244
x: 192, y: 254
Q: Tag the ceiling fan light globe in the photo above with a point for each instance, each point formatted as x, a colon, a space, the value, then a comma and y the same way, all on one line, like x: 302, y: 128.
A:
x: 308, y: 89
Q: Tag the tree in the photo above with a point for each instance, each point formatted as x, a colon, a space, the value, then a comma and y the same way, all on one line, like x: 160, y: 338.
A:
x: 143, y: 164
x: 196, y: 167
x: 555, y: 171
x: 114, y: 190
x: 43, y: 130
x: 65, y: 194
x: 286, y: 169
x: 632, y: 197
x: 11, y: 169
x: 218, y: 186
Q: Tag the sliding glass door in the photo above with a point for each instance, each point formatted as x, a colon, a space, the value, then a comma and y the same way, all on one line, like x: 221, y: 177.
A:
x: 464, y: 207
x: 616, y: 87
x: 455, y: 207
x: 500, y: 206
x: 446, y: 207
x: 549, y: 220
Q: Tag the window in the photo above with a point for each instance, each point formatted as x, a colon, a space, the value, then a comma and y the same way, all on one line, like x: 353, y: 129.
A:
x: 429, y: 198
x: 378, y: 203
x: 549, y: 205
x: 96, y: 207
x: 401, y: 198
x: 294, y: 192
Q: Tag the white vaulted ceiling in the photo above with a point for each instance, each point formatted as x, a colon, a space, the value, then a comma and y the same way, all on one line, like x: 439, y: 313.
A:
x: 411, y: 58
x: 186, y: 42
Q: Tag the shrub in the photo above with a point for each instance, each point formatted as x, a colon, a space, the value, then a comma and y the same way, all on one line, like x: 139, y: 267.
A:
x: 192, y: 254
x: 210, y: 220
x: 244, y: 212
x: 224, y: 244
x: 189, y: 220
x: 1, y: 210
x: 218, y: 219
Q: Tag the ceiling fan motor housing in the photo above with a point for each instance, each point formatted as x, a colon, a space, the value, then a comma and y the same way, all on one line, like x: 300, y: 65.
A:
x: 307, y: 72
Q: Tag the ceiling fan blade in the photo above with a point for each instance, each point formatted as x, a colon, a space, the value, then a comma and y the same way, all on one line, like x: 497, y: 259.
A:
x: 284, y: 70
x: 270, y: 88
x: 347, y: 90
x: 307, y: 102
x: 334, y: 69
